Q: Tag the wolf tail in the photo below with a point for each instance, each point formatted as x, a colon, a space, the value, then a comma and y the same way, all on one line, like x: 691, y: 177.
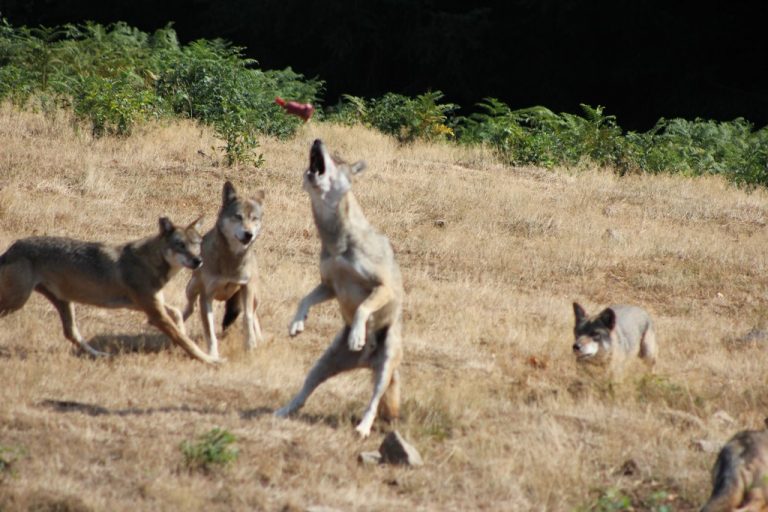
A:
x: 727, y: 487
x: 232, y: 309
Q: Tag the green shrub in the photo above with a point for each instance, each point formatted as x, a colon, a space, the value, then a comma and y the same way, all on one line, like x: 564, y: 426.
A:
x: 406, y: 119
x: 114, y: 105
x: 116, y: 76
x: 212, y: 449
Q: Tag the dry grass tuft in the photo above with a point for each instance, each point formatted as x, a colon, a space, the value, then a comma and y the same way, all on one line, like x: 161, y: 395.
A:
x: 492, y: 258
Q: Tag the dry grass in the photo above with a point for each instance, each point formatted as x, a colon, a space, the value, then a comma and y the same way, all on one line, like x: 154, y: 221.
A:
x: 493, y: 400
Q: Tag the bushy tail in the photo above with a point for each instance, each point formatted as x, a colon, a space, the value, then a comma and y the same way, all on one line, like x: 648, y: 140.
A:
x: 727, y: 488
x: 232, y: 309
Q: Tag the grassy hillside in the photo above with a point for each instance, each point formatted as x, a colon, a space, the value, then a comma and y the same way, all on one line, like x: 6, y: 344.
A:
x: 504, y: 418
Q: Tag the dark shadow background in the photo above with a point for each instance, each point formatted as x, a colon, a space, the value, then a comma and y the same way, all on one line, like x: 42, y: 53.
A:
x: 641, y: 59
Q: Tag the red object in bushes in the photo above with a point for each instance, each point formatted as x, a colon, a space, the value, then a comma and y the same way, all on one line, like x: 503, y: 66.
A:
x: 302, y: 110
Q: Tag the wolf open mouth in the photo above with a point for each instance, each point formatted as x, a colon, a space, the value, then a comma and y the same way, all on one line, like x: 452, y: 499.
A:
x: 316, y: 160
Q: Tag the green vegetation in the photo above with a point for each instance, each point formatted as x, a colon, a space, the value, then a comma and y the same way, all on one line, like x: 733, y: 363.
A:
x: 9, y: 455
x: 116, y: 77
x: 615, y: 500
x: 212, y: 449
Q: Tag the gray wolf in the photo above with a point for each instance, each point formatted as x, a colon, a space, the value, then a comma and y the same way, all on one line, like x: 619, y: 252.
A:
x: 229, y: 273
x: 130, y: 276
x: 613, y: 335
x: 358, y: 269
x: 740, y: 474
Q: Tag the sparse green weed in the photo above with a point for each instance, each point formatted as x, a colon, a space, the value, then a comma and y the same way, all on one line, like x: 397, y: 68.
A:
x: 212, y: 449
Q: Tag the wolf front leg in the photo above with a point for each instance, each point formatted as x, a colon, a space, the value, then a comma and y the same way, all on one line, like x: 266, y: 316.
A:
x: 155, y: 310
x: 67, y: 314
x: 321, y: 293
x: 250, y: 319
x: 379, y: 297
x: 209, y: 326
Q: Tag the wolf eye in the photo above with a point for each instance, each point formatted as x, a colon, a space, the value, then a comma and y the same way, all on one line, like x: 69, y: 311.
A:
x: 238, y: 216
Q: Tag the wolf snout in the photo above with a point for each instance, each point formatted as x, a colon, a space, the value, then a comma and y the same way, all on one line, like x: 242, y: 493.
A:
x: 246, y: 237
x: 196, y: 263
x: 316, y: 160
x: 576, y: 347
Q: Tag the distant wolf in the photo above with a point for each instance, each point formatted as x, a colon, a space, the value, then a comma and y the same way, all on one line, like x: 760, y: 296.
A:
x: 358, y: 269
x: 613, y: 335
x: 229, y: 273
x: 123, y: 276
x: 740, y: 474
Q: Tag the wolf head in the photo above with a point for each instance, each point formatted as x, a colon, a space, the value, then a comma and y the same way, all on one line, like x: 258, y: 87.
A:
x: 182, y: 245
x: 326, y: 179
x: 240, y: 218
x: 593, y: 335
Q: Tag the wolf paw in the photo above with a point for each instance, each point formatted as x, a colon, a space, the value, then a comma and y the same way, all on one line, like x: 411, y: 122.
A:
x: 357, y: 338
x: 283, y: 412
x: 363, y: 429
x: 296, y: 327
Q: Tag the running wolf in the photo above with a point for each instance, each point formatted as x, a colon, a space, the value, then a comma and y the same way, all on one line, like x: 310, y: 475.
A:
x: 358, y: 269
x: 613, y: 335
x: 230, y: 273
x: 129, y: 276
x: 740, y: 474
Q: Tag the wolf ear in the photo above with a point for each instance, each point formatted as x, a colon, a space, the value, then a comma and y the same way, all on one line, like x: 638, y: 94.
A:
x: 608, y: 318
x: 166, y: 226
x: 196, y: 224
x: 259, y: 196
x: 579, y: 313
x: 358, y: 167
x: 228, y: 193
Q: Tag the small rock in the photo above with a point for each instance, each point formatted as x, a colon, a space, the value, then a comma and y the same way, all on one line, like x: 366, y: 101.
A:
x: 369, y: 458
x: 707, y: 445
x: 613, y: 235
x: 396, y: 450
x: 723, y: 417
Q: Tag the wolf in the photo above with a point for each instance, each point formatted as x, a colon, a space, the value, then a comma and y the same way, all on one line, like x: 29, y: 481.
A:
x: 131, y: 276
x: 358, y: 269
x: 740, y: 474
x: 230, y: 273
x: 613, y: 335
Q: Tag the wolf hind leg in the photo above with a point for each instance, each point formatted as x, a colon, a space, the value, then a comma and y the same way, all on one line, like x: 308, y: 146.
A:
x: 648, y: 347
x: 67, y: 314
x: 336, y: 359
x: 389, y: 407
x: 384, y: 366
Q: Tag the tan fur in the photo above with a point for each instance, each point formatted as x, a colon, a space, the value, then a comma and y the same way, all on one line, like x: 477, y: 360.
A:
x: 125, y: 276
x: 612, y: 336
x: 358, y: 269
x: 740, y: 474
x: 229, y: 272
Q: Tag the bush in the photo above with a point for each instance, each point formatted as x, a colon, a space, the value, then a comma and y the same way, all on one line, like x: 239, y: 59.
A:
x: 116, y: 76
x: 114, y: 105
x: 212, y: 449
x: 406, y: 119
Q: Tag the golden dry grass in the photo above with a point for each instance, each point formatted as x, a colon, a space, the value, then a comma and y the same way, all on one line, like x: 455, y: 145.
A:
x: 493, y: 399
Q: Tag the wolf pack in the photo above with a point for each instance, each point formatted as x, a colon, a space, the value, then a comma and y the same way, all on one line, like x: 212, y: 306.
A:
x: 357, y: 268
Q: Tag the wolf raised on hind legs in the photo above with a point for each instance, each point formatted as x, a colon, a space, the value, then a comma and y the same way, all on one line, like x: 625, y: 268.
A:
x: 358, y: 269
